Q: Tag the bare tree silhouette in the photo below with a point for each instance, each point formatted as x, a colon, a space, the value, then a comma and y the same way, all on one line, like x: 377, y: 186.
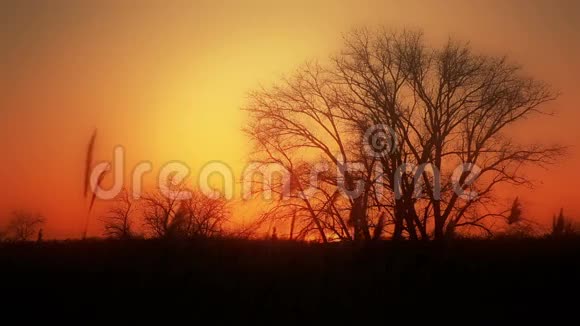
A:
x: 197, y: 216
x: 22, y: 226
x: 117, y: 221
x: 160, y: 214
x: 203, y: 216
x: 443, y: 109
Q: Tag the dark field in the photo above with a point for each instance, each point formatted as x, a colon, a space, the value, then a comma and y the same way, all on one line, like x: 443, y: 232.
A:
x: 485, y: 280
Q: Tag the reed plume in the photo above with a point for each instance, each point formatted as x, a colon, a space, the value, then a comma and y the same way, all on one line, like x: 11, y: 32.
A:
x: 88, y: 170
x: 89, y: 161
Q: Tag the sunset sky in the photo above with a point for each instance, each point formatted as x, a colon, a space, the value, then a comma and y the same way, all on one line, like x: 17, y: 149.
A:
x: 166, y: 80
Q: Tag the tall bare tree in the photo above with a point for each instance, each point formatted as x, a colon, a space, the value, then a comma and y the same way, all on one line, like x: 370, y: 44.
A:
x: 445, y: 111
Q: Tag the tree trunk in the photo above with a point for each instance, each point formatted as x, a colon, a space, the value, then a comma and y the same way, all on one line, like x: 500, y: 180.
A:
x: 399, y: 217
x: 439, y: 222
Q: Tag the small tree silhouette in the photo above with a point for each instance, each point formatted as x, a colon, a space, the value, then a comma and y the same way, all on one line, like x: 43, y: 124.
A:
x: 203, y: 216
x: 561, y: 226
x: 515, y: 212
x: 274, y: 234
x: 117, y: 221
x: 159, y: 214
x: 24, y: 225
x: 198, y: 216
x: 518, y: 226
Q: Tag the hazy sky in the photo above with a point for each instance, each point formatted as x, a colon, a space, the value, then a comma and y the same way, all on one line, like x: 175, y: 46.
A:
x: 166, y: 79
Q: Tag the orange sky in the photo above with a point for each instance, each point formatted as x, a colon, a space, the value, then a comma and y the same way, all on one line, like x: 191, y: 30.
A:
x: 167, y: 82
